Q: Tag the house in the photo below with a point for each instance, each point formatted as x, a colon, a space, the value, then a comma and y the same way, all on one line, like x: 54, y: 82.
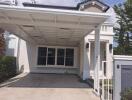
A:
x: 11, y: 42
x: 73, y: 39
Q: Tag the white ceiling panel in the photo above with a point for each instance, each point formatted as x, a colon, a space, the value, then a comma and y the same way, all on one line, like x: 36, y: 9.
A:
x: 49, y: 26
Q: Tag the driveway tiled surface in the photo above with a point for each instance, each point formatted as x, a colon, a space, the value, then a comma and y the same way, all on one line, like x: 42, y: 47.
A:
x: 45, y: 87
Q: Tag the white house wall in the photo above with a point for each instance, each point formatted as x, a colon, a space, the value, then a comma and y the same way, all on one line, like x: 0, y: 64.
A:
x: 93, y: 9
x: 28, y: 60
x: 106, y: 36
x: 23, y: 60
x: 91, y: 57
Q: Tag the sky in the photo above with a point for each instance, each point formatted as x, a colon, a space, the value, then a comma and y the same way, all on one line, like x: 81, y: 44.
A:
x: 113, y: 2
x: 110, y: 2
x: 74, y: 2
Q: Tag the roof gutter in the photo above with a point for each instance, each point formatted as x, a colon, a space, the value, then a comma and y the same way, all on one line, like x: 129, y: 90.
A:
x: 54, y: 11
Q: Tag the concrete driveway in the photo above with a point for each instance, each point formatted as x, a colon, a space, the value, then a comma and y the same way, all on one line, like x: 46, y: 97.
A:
x: 46, y: 87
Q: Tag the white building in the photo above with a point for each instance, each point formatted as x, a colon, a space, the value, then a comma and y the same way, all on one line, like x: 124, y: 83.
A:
x: 64, y: 38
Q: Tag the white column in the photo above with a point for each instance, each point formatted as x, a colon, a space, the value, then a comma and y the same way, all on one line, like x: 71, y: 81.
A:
x: 109, y: 60
x: 97, y: 60
x: 84, y: 62
x: 86, y: 70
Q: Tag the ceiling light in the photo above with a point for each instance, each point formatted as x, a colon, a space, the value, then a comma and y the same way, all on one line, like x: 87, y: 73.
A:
x: 64, y: 28
x: 62, y: 38
x: 28, y: 26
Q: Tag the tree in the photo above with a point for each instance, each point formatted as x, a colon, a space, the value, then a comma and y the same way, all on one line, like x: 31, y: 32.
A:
x: 128, y: 12
x: 2, y: 42
x: 123, y: 31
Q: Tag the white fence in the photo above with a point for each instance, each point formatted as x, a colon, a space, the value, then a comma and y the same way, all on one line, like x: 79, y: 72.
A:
x: 111, y: 87
x: 106, y: 83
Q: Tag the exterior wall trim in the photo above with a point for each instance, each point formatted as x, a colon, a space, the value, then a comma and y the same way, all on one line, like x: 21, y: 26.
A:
x: 101, y: 40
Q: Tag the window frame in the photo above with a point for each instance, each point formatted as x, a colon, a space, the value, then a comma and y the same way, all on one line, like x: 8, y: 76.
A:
x: 59, y: 66
x: 59, y: 56
x: 51, y: 56
x: 67, y: 57
x: 41, y: 56
x: 104, y: 28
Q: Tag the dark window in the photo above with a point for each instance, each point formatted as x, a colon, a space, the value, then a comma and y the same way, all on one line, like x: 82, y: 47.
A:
x: 47, y: 56
x: 42, y: 51
x: 60, y: 56
x: 51, y: 56
x: 69, y: 59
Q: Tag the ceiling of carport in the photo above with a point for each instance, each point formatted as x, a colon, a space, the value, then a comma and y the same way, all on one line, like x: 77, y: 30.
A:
x: 49, y: 26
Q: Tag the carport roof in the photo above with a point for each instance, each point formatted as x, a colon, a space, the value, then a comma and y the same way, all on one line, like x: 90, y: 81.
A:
x: 49, y: 26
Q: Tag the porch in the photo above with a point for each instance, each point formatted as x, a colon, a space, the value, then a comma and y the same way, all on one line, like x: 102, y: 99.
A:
x: 46, y: 87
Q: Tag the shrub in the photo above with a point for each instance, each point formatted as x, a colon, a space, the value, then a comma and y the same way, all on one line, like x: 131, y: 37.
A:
x: 126, y: 95
x: 7, y: 67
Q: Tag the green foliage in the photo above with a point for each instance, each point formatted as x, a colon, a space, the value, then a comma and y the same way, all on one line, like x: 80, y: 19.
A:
x: 123, y: 30
x: 7, y: 67
x: 128, y: 13
x: 2, y: 42
x: 129, y: 3
x: 126, y: 95
x: 123, y: 50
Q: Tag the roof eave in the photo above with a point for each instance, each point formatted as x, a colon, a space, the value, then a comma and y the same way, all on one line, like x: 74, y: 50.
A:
x: 107, y: 7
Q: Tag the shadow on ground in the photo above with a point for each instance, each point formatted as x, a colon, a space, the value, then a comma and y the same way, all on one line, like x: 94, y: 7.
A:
x: 45, y: 81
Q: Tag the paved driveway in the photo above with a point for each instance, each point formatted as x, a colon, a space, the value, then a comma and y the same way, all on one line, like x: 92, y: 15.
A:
x: 46, y: 87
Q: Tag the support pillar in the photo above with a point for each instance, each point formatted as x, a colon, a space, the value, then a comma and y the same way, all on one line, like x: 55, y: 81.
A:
x: 84, y: 62
x: 86, y: 70
x: 109, y: 60
x: 97, y: 61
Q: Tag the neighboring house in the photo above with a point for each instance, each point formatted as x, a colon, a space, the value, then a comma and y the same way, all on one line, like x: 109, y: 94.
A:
x: 57, y: 38
x: 11, y: 44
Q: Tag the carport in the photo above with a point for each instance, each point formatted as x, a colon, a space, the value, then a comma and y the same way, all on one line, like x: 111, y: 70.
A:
x: 46, y: 87
x: 56, y: 27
